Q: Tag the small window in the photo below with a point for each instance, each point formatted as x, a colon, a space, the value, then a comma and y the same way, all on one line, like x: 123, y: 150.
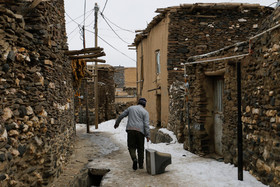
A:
x: 158, y: 61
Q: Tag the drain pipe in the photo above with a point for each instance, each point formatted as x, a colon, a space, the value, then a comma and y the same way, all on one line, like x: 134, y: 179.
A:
x: 187, y: 105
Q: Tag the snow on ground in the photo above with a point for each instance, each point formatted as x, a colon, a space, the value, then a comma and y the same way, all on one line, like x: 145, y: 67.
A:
x: 186, y: 166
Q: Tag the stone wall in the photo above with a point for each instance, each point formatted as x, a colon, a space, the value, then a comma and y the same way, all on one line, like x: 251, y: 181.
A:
x: 106, y: 90
x: 36, y: 97
x: 119, y: 76
x: 261, y: 105
x: 194, y: 31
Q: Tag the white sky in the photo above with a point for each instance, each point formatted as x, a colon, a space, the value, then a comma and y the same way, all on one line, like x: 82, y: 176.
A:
x: 186, y: 168
x: 128, y: 14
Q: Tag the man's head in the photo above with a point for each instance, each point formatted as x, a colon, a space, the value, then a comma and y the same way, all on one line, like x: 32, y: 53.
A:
x: 142, y: 101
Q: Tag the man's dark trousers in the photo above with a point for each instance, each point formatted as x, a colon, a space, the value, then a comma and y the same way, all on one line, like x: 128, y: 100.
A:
x: 135, y: 141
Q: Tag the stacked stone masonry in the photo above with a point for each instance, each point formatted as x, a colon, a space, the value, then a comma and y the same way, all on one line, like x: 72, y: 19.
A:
x: 261, y: 104
x: 106, y: 88
x: 36, y: 94
x: 195, y: 31
x: 199, y: 32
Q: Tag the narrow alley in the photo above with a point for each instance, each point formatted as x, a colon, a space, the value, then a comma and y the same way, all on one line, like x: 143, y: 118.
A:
x: 105, y: 148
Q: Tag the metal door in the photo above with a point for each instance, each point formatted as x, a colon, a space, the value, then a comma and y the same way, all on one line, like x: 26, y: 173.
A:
x: 218, y: 114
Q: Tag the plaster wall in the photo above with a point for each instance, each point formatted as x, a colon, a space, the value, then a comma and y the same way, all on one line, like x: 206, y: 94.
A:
x: 156, y: 41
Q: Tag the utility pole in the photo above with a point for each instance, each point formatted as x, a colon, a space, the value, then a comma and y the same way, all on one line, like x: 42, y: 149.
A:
x: 96, y: 9
x: 86, y: 83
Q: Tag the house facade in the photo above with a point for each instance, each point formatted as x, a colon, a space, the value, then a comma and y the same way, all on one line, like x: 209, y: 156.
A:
x: 86, y: 96
x: 177, y: 33
x: 209, y: 123
x: 125, y: 81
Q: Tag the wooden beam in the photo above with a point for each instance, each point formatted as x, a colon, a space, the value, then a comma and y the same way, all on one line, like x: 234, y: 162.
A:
x: 84, y: 51
x: 219, y: 72
x: 95, y: 60
x: 35, y: 3
x: 87, y: 56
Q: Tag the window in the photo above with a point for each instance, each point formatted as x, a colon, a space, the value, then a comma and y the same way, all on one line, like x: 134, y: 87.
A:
x: 158, y: 61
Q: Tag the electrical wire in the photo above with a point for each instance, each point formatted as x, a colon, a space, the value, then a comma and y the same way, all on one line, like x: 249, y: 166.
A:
x: 114, y: 30
x: 104, y: 6
x: 117, y: 25
x: 73, y: 20
x: 112, y: 46
x: 272, y: 4
x: 78, y: 24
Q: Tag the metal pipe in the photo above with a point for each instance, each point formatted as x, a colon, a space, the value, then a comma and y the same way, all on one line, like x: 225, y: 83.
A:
x: 187, y: 106
x: 217, y: 59
x: 239, y: 126
x: 262, y: 33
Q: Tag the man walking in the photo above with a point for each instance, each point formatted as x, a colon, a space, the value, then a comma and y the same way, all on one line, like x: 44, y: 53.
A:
x: 137, y: 129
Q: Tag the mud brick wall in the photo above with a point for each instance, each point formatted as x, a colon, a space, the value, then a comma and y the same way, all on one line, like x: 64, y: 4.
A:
x: 106, y: 90
x: 198, y: 31
x: 119, y: 77
x: 261, y: 105
x: 36, y: 97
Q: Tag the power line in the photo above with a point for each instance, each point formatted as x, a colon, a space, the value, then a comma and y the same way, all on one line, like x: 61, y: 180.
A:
x: 104, y: 6
x: 113, y: 47
x: 73, y: 20
x: 78, y: 24
x: 117, y: 25
x: 114, y: 30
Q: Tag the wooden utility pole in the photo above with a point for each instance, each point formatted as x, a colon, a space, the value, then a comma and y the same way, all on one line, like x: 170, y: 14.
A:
x: 86, y: 83
x: 96, y: 9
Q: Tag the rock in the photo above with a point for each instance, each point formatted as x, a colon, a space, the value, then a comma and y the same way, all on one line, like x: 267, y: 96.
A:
x: 22, y: 111
x: 29, y: 110
x: 255, y: 111
x: 15, y: 152
x: 48, y: 62
x: 271, y: 113
x: 21, y: 150
x: 51, y: 85
x: 13, y: 133
x: 11, y: 56
x: 6, y: 68
x: 261, y: 166
x: 3, y: 177
x: 7, y: 114
x: 2, y: 157
x: 248, y: 109
x: 3, y: 138
x: 38, y: 141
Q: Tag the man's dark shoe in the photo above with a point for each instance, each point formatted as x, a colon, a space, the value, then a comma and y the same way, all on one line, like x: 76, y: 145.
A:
x: 134, y: 166
x: 141, y: 166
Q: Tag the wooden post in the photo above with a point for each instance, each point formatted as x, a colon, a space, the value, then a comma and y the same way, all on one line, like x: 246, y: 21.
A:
x: 86, y: 84
x: 35, y: 3
x: 96, y: 9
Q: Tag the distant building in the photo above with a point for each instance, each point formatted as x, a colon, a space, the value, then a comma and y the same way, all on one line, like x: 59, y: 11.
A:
x: 125, y: 80
x: 106, y: 90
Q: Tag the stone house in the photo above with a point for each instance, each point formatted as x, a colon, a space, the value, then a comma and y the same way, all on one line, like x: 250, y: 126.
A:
x: 212, y: 92
x: 174, y: 35
x: 125, y: 80
x: 106, y: 89
x: 260, y: 100
x: 36, y: 93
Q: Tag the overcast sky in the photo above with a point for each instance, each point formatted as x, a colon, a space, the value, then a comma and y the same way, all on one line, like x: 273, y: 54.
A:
x: 124, y: 17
